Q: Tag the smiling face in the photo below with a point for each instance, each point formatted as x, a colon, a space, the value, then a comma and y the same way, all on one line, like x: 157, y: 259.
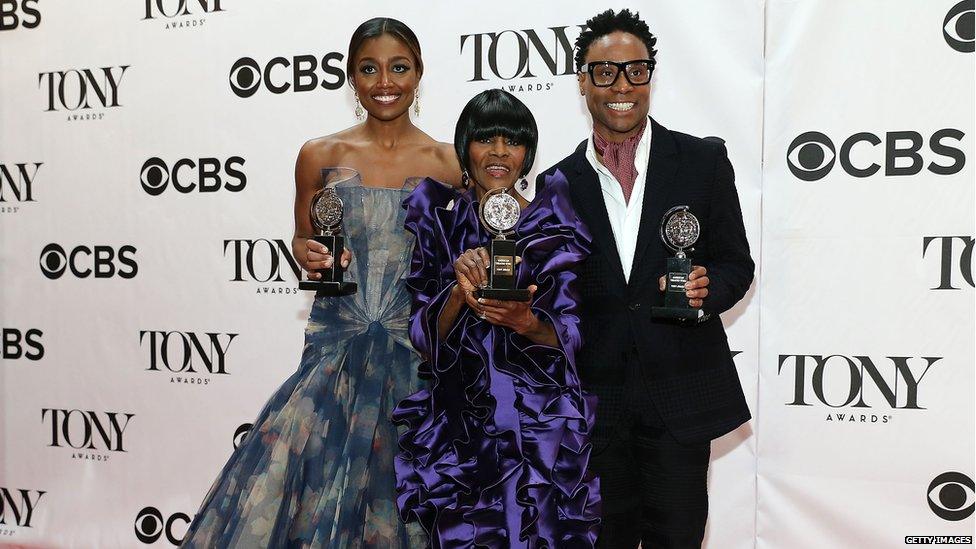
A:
x: 495, y: 162
x: 618, y: 111
x: 386, y: 77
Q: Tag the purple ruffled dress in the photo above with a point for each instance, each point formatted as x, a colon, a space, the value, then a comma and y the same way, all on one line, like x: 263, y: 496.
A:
x: 496, y: 449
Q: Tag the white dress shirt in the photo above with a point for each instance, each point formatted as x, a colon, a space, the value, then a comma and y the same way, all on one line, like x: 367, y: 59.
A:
x: 624, y: 217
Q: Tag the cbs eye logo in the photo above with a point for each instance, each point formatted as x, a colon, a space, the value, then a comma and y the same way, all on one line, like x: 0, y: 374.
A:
x: 958, y: 27
x: 53, y: 261
x: 245, y: 77
x: 241, y: 433
x: 150, y: 526
x: 100, y: 261
x: 811, y: 156
x: 900, y: 153
x: 307, y: 73
x: 205, y: 175
x: 952, y: 496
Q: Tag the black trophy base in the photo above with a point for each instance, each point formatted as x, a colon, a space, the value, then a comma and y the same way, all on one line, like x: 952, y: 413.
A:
x: 331, y: 283
x: 675, y: 299
x: 501, y: 274
x: 503, y: 294
x: 328, y: 289
x: 676, y: 313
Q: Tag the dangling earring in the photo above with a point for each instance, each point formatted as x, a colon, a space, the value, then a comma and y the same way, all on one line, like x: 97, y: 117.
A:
x: 465, y: 179
x: 523, y: 184
x: 416, y: 102
x: 359, y: 109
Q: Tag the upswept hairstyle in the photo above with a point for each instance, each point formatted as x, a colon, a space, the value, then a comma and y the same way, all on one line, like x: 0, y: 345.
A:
x: 378, y: 26
x: 608, y: 22
x: 494, y: 113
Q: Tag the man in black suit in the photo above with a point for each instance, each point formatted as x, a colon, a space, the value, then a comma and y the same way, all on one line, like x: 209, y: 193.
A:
x: 665, y: 388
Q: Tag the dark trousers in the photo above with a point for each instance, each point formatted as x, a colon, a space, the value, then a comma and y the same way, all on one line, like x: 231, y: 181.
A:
x: 653, y: 488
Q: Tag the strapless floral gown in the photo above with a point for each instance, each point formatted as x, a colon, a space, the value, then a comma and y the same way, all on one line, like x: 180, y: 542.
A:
x: 317, y: 469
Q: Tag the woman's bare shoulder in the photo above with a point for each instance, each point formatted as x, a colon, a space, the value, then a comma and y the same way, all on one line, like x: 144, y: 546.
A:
x: 328, y: 149
x: 445, y: 166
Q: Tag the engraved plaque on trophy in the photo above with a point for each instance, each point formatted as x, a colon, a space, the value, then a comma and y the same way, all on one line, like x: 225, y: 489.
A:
x: 326, y: 214
x: 679, y: 231
x: 500, y: 212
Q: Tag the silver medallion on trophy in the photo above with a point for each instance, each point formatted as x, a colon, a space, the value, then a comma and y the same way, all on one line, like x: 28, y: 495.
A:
x: 680, y: 230
x: 499, y: 213
x: 326, y: 214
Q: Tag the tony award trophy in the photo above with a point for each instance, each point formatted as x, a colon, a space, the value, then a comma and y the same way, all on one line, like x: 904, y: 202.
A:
x: 679, y: 231
x: 500, y: 212
x: 326, y: 213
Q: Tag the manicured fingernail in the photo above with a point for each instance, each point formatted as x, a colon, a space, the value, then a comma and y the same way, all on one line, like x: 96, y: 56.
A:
x: 345, y: 263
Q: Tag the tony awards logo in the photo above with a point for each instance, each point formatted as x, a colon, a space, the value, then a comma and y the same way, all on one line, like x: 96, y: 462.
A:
x: 180, y: 14
x: 679, y: 231
x: 83, y: 94
x: 500, y: 212
x: 16, y: 185
x: 528, y: 60
x: 17, y: 507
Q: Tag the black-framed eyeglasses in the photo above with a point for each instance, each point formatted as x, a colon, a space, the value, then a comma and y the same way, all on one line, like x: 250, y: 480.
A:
x: 604, y: 74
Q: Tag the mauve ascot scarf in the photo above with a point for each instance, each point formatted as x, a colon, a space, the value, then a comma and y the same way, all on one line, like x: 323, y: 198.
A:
x: 619, y: 158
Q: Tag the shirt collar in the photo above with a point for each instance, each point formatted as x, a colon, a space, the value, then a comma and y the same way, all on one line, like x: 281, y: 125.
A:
x: 641, y: 159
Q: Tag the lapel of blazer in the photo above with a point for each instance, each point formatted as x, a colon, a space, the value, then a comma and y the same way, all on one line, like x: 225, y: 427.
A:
x: 588, y: 198
x: 658, y: 185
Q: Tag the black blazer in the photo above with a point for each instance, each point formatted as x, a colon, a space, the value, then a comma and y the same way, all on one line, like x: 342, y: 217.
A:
x: 682, y: 371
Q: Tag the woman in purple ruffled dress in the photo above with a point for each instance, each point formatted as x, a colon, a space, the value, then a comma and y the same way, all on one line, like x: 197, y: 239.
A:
x: 496, y: 448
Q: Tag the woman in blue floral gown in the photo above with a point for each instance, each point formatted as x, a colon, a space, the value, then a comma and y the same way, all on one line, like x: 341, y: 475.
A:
x: 316, y: 469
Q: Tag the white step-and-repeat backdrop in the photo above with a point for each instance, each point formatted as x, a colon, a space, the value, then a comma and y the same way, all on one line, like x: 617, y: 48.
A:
x: 149, y: 301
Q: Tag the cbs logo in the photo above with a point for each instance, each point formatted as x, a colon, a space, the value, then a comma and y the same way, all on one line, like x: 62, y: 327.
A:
x: 82, y: 261
x: 17, y: 343
x: 247, y: 75
x: 241, y: 434
x: 10, y: 20
x: 812, y: 155
x: 156, y: 175
x: 150, y: 525
x: 958, y: 27
x: 951, y: 496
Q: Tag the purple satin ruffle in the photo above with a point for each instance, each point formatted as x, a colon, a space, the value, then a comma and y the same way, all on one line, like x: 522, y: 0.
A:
x: 496, y: 450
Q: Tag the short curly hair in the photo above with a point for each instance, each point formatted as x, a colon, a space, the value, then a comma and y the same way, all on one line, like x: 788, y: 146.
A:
x: 608, y: 22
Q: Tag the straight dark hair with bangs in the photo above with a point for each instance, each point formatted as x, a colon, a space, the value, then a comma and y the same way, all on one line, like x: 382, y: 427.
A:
x: 496, y: 113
